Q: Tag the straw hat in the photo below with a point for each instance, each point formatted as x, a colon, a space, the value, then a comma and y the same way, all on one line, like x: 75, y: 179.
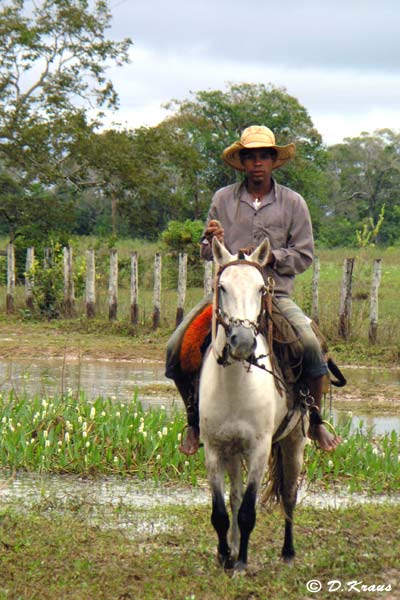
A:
x: 257, y: 137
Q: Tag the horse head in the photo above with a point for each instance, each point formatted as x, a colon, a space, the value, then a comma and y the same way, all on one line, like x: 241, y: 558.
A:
x: 239, y: 294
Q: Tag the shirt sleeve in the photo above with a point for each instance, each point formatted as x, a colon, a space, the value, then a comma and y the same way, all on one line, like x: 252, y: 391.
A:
x: 205, y: 247
x: 298, y: 255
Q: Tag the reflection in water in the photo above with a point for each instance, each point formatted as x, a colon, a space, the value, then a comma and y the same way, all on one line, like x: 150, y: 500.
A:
x: 120, y: 379
x: 133, y: 505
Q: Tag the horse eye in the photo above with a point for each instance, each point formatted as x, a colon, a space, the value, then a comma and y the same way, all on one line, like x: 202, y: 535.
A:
x: 221, y: 288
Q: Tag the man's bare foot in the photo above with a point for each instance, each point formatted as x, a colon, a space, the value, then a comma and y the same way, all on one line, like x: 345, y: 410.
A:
x: 191, y: 443
x: 325, y: 440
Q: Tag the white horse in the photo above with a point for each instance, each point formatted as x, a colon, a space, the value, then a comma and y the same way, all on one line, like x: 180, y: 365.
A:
x: 241, y: 409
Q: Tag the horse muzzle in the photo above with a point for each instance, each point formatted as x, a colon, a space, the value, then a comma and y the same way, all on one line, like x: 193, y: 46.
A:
x: 241, y: 342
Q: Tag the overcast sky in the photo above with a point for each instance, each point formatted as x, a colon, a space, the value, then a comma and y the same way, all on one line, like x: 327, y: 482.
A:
x: 340, y: 59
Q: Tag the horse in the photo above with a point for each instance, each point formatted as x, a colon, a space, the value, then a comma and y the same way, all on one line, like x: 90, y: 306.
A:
x: 243, y: 413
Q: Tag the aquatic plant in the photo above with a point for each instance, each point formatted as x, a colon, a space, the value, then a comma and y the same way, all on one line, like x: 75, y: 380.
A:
x: 70, y: 434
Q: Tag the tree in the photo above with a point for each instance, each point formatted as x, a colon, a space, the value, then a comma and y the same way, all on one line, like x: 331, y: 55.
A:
x: 214, y: 119
x: 52, y: 68
x: 364, y: 176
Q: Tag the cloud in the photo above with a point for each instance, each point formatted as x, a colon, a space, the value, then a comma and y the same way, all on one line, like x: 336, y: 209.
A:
x: 339, y: 59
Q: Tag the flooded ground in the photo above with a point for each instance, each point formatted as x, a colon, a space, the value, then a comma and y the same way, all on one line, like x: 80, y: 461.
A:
x: 372, y: 394
x: 134, y: 506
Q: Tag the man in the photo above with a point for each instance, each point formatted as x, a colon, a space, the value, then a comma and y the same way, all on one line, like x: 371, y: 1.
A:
x: 242, y: 215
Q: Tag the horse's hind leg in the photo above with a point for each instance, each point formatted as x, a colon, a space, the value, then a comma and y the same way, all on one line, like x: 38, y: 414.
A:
x: 292, y: 449
x: 219, y: 515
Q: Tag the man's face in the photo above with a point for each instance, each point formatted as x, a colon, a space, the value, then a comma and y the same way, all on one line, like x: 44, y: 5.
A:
x: 258, y: 163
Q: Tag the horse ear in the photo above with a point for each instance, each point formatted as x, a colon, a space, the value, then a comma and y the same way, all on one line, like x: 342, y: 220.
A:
x: 220, y: 253
x: 261, y: 253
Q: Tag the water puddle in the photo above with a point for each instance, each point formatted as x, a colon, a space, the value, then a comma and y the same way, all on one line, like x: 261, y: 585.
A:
x: 134, y: 506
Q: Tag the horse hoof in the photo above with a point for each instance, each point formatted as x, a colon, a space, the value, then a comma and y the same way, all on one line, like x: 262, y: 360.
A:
x: 226, y: 561
x: 240, y: 568
x: 288, y: 560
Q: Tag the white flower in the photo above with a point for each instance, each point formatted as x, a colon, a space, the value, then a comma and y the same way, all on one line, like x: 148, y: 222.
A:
x: 349, y: 413
x: 66, y: 437
x: 144, y: 433
x: 330, y: 464
x: 33, y: 440
x: 113, y: 397
x: 92, y: 412
x: 4, y: 419
x: 162, y: 407
x: 44, y: 404
x: 141, y: 427
x: 84, y: 426
x: 179, y: 437
x: 45, y: 434
x: 186, y: 463
x: 84, y: 433
x: 68, y: 426
x: 103, y: 414
x: 47, y: 444
x: 159, y: 434
x: 117, y: 414
x: 87, y: 444
x: 60, y: 443
x: 80, y: 419
x: 115, y: 459
x: 165, y: 431
x: 375, y: 451
x: 158, y: 457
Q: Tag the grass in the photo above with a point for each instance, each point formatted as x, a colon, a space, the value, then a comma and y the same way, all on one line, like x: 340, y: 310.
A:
x: 69, y: 434
x: 46, y: 556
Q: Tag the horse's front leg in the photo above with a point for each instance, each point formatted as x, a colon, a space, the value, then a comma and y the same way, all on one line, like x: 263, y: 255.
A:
x: 247, y: 511
x: 234, y: 468
x: 219, y: 514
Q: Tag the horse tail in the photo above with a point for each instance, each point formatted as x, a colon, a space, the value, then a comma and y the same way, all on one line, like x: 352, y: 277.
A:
x: 273, y: 490
x: 340, y: 380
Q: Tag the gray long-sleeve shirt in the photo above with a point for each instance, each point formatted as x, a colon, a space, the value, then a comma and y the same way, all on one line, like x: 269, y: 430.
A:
x: 282, y: 216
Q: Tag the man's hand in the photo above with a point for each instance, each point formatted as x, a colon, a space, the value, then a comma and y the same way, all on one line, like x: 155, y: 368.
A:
x: 214, y: 229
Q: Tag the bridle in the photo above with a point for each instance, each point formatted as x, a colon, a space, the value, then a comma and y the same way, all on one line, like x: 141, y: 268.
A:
x: 263, y: 325
x: 220, y: 317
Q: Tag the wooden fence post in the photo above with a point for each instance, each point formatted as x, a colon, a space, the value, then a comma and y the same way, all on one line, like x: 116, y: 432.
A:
x: 345, y: 298
x: 90, y: 288
x: 182, y: 280
x: 134, y: 289
x: 373, y: 319
x: 113, y: 286
x: 157, y: 291
x: 208, y: 274
x: 10, y: 278
x: 315, y: 295
x: 69, y: 290
x: 29, y: 278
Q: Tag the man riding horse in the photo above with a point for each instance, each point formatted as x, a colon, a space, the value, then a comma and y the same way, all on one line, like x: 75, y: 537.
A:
x: 242, y: 215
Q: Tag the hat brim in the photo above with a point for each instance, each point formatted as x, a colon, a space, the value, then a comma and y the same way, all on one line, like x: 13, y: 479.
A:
x: 232, y: 158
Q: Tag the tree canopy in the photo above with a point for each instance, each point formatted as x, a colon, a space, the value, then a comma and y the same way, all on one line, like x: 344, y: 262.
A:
x: 52, y: 71
x: 364, y: 176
